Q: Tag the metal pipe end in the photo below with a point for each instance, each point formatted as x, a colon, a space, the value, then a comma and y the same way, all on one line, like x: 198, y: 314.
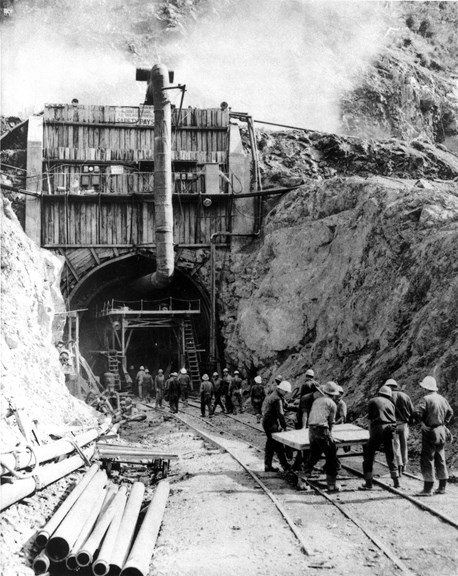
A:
x: 83, y: 558
x: 100, y: 568
x: 57, y: 549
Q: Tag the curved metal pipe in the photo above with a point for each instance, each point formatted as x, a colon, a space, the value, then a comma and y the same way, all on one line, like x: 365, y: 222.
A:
x: 163, y: 212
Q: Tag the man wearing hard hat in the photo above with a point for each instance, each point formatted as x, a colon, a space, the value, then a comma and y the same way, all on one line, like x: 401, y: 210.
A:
x: 257, y: 394
x: 434, y: 413
x: 273, y: 420
x: 403, y: 409
x: 185, y: 385
x: 382, y: 427
x: 320, y: 422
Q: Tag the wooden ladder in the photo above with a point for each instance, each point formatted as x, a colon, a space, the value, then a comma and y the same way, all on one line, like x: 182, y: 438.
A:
x: 192, y: 357
x: 113, y: 366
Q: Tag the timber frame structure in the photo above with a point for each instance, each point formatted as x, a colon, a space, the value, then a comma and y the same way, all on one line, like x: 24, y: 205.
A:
x: 92, y: 170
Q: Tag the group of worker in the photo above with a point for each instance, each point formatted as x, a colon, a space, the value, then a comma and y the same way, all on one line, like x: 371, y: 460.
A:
x: 319, y: 407
x: 390, y: 413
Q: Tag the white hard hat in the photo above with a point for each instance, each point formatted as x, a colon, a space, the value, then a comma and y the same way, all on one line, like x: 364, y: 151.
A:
x: 330, y: 388
x: 310, y: 372
x: 205, y: 377
x: 385, y: 391
x: 285, y: 386
x: 391, y: 382
x: 142, y: 367
x: 183, y: 370
x: 429, y: 383
x: 258, y: 380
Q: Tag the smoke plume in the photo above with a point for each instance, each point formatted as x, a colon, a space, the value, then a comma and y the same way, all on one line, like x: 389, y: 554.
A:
x: 286, y: 61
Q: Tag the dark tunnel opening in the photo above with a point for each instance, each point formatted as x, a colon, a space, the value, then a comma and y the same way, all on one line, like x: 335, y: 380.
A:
x: 152, y: 341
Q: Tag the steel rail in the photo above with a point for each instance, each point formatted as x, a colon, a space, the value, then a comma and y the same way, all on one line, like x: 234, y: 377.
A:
x: 276, y: 502
x: 368, y: 533
x: 397, y: 561
x: 415, y: 501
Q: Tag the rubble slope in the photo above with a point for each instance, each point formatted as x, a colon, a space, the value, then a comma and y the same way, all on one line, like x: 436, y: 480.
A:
x: 31, y: 320
x: 356, y: 277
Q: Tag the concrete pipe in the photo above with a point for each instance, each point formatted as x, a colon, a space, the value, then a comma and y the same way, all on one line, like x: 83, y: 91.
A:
x: 139, y: 559
x: 101, y: 566
x: 44, y: 533
x: 41, y: 563
x: 45, y: 475
x: 127, y: 528
x: 45, y: 452
x: 71, y: 560
x: 85, y: 555
x: 63, y: 539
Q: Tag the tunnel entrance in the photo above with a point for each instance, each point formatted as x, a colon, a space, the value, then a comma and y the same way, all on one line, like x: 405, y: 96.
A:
x: 122, y: 329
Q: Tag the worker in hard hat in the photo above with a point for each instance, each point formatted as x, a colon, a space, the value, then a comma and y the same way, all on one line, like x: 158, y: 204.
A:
x: 404, y: 411
x: 147, y: 384
x: 159, y: 386
x: 139, y: 381
x: 225, y: 387
x: 173, y: 392
x: 273, y: 420
x: 434, y: 413
x: 206, y: 395
x: 382, y: 428
x: 341, y: 407
x: 185, y: 385
x: 257, y: 395
x: 320, y: 422
x: 310, y: 384
x: 217, y: 391
x: 235, y: 392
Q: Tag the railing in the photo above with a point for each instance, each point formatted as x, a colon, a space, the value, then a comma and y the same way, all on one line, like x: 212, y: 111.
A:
x: 86, y: 183
x: 165, y: 305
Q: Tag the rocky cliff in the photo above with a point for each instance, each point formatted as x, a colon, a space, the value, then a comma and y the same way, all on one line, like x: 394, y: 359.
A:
x: 357, y: 277
x: 31, y: 321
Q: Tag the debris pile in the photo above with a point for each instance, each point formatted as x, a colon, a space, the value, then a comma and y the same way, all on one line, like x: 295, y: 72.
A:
x: 32, y: 319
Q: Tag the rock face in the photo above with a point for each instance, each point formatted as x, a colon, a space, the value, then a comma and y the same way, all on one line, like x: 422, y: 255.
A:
x: 31, y: 374
x: 355, y: 277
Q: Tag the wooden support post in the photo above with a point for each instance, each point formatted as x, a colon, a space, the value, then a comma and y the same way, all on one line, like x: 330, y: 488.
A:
x: 34, y: 181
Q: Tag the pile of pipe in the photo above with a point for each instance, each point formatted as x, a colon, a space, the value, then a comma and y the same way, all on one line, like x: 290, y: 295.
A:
x: 95, y: 528
x: 25, y: 470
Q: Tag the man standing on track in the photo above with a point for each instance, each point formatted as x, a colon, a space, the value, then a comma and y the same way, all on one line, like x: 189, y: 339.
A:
x: 273, y: 420
x: 139, y: 381
x: 217, y: 390
x: 382, y: 427
x: 147, y: 384
x: 174, y: 391
x: 159, y: 384
x: 404, y: 414
x: 206, y: 394
x: 257, y: 394
x: 235, y: 392
x: 185, y: 385
x: 321, y: 420
x: 434, y: 413
x: 225, y: 392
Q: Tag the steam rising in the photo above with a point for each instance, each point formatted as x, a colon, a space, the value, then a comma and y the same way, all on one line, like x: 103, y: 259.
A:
x: 286, y: 61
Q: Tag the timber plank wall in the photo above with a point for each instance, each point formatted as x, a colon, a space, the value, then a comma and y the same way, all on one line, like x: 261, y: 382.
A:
x: 98, y: 182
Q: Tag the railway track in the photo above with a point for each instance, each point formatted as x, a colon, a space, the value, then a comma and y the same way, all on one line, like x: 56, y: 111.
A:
x: 345, y: 503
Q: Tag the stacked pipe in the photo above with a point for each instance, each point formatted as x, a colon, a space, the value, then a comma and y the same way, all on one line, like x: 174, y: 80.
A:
x: 27, y: 483
x: 95, y: 528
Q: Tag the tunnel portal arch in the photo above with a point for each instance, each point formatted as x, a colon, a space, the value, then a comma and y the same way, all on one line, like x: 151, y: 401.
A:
x: 159, y: 339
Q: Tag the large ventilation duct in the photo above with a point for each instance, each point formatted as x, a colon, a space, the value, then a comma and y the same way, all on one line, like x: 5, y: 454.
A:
x: 157, y: 94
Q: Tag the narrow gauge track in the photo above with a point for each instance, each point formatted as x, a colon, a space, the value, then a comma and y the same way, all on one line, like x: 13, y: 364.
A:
x: 385, y: 548
x: 399, y: 492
